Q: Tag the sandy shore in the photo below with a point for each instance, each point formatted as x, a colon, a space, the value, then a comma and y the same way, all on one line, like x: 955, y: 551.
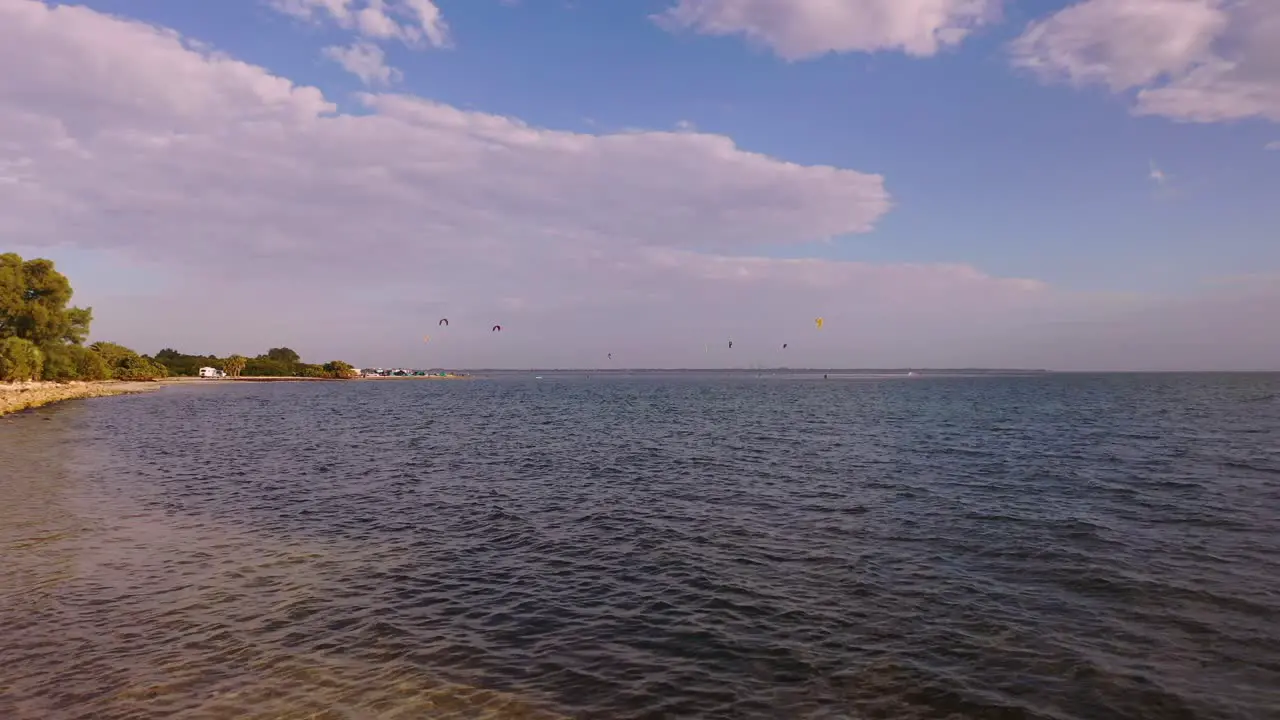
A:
x: 244, y: 378
x: 264, y: 378
x: 16, y: 397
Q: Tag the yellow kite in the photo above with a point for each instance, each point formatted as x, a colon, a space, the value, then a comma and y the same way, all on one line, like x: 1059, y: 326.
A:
x: 818, y: 322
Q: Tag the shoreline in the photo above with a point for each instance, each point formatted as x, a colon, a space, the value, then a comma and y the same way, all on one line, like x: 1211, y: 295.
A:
x: 273, y: 378
x: 415, y: 377
x: 183, y: 379
x: 18, y: 397
x: 21, y: 396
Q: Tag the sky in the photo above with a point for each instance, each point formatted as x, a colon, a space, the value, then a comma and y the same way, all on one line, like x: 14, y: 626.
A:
x: 1061, y: 184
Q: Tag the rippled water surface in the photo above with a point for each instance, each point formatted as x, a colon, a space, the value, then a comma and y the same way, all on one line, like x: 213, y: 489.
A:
x: 665, y: 546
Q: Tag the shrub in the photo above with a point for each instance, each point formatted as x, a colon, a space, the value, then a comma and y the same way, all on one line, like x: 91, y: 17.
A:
x: 90, y: 365
x: 20, y: 360
x: 136, y: 367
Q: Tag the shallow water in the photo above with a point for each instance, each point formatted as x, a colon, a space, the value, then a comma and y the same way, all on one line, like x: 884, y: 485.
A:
x: 641, y: 546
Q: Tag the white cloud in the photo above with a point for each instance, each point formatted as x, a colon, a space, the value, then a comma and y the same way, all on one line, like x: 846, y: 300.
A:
x: 801, y: 29
x: 275, y: 219
x: 419, y: 21
x: 1273, y: 145
x: 430, y: 21
x: 366, y: 61
x: 1191, y: 60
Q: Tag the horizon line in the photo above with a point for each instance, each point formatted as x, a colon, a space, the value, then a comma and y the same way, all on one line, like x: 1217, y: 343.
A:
x: 919, y: 370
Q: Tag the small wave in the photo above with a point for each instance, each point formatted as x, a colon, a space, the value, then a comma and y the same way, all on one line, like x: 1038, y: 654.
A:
x: 675, y: 547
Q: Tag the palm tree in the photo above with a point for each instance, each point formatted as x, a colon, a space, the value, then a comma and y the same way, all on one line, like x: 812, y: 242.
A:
x: 233, y: 365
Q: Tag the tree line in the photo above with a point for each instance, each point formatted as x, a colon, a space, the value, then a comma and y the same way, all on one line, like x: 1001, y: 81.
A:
x: 42, y: 337
x: 276, y: 362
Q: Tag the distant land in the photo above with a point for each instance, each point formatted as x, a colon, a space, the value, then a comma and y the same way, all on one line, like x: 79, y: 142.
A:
x: 919, y: 372
x: 842, y: 371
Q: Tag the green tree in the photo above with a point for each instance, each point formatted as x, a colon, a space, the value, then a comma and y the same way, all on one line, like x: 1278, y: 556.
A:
x: 137, y: 367
x: 20, y: 360
x: 34, y: 300
x: 182, y: 364
x: 262, y: 366
x: 311, y: 371
x: 234, y: 365
x: 88, y: 365
x: 60, y: 362
x: 338, y: 369
x: 111, y: 353
x: 284, y: 356
x: 123, y: 363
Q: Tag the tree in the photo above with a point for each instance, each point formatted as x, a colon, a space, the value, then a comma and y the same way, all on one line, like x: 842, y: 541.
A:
x: 338, y: 369
x: 60, y: 361
x: 42, y: 335
x: 311, y: 371
x: 233, y: 365
x: 262, y: 366
x: 283, y: 355
x: 20, y: 360
x: 34, y: 299
x: 138, y: 367
x: 111, y: 353
x: 122, y: 363
x: 88, y: 364
x: 182, y: 364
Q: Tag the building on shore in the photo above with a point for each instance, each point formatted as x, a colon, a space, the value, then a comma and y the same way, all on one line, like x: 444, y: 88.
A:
x: 407, y: 372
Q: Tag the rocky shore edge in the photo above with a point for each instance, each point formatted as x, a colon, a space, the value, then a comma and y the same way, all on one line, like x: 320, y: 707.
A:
x: 19, y: 396
x: 16, y: 397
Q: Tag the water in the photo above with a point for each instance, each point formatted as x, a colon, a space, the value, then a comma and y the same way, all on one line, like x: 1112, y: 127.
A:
x: 632, y: 546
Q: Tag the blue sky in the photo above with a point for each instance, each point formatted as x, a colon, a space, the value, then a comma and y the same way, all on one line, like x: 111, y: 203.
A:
x: 987, y: 165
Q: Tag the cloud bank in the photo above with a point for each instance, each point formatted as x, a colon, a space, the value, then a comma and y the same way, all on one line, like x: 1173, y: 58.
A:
x: 1189, y: 60
x: 802, y: 29
x: 275, y: 219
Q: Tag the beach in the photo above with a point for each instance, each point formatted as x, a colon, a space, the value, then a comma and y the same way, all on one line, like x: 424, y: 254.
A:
x: 16, y: 397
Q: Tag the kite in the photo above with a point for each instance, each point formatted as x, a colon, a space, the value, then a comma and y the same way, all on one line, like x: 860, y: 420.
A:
x: 818, y: 322
x: 784, y: 346
x: 496, y: 328
x: 730, y: 344
x: 444, y: 322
